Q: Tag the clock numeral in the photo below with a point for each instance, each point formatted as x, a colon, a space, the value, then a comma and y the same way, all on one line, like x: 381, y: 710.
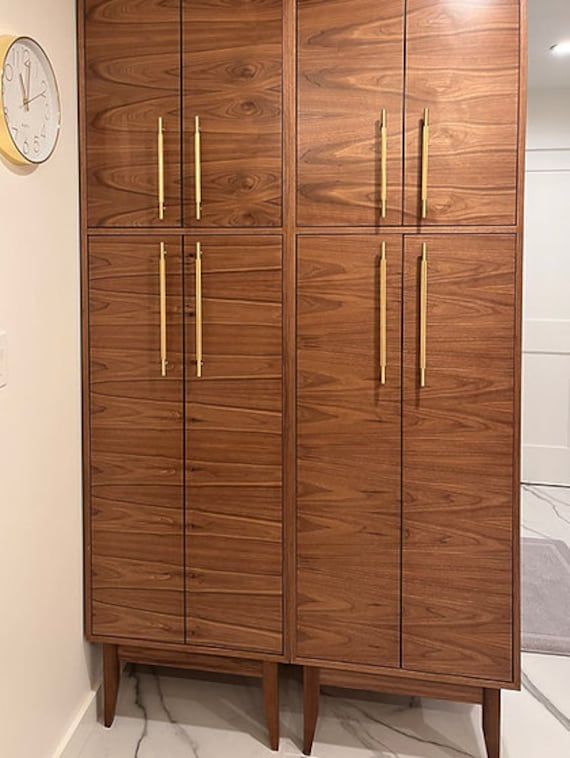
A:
x: 9, y: 72
x: 43, y: 132
x: 36, y: 144
x: 15, y: 132
x: 26, y: 147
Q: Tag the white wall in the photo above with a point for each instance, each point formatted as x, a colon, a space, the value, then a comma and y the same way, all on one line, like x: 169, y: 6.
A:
x: 546, y: 387
x: 44, y: 669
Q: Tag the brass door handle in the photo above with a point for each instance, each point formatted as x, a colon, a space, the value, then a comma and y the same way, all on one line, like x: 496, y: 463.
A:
x: 163, y: 342
x: 160, y: 146
x: 198, y: 167
x: 423, y: 315
x: 425, y: 162
x: 199, y: 317
x: 383, y: 163
x: 383, y: 308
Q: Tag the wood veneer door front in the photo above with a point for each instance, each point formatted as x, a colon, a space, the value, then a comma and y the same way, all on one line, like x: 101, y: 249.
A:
x: 136, y: 505
x: 459, y: 476
x: 462, y: 62
x: 133, y: 78
x: 233, y: 83
x: 234, y: 517
x: 348, y: 451
x: 350, y: 67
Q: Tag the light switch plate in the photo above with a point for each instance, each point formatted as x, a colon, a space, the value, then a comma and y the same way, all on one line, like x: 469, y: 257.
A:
x: 3, y: 359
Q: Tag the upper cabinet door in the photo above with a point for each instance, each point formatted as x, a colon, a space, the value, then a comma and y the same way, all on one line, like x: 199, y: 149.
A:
x: 232, y: 112
x: 132, y: 96
x: 462, y: 65
x: 350, y: 76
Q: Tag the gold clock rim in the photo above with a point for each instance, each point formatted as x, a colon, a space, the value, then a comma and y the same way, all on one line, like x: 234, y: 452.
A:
x: 7, y: 145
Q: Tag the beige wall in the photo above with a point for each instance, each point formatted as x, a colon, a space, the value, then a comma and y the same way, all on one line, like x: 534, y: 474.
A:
x: 44, y: 679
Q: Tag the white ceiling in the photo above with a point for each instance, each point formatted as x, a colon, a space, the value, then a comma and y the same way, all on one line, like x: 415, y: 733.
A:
x: 548, y: 23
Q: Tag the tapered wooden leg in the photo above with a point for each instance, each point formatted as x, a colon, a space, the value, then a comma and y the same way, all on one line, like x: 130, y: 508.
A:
x: 111, y: 676
x: 492, y: 722
x: 271, y: 700
x: 311, y: 691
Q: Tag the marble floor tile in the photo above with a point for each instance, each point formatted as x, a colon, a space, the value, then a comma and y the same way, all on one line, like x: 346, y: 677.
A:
x: 546, y: 512
x: 165, y: 715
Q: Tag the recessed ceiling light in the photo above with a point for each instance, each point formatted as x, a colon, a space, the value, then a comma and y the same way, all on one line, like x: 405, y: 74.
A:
x: 562, y: 48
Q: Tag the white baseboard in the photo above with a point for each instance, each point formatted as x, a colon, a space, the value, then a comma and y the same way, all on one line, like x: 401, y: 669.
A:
x: 76, y: 736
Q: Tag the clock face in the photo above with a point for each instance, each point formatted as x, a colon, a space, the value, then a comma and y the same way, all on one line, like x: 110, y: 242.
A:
x: 30, y: 101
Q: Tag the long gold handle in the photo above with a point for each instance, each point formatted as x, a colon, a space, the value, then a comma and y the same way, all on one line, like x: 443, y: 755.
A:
x: 160, y: 169
x: 198, y: 167
x: 423, y: 315
x: 384, y: 163
x: 383, y: 303
x: 425, y: 163
x: 162, y: 276
x: 199, y: 347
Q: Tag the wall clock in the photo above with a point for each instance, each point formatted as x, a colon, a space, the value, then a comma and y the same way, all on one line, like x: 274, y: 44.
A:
x: 31, y: 112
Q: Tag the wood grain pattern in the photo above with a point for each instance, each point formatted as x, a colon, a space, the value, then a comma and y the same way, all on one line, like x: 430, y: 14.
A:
x: 133, y: 77
x: 350, y: 67
x: 136, y: 440
x: 233, y: 81
x: 349, y: 461
x: 458, y: 459
x: 462, y: 62
x: 234, y: 575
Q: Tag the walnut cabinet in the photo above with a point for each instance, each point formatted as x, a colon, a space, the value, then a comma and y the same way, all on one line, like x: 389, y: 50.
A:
x: 301, y: 262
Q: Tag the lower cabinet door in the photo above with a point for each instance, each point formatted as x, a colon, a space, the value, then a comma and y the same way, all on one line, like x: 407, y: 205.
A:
x: 459, y: 454
x: 136, y: 437
x: 234, y: 511
x: 349, y: 449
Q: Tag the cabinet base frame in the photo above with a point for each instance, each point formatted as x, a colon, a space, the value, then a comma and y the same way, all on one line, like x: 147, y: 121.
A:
x: 314, y: 678
x: 266, y: 671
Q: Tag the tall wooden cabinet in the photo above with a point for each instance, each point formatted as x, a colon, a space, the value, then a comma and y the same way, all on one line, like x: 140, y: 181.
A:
x: 302, y: 252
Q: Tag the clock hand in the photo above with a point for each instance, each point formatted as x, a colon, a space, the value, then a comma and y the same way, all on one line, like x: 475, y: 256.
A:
x: 24, y: 100
x: 35, y: 97
x: 29, y: 67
